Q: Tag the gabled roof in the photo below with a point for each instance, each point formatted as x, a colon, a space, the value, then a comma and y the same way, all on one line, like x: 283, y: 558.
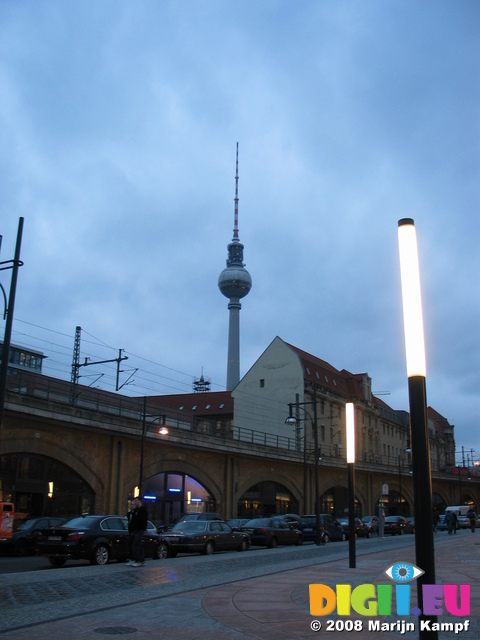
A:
x: 211, y: 403
x: 321, y: 372
x: 440, y: 424
x: 343, y: 382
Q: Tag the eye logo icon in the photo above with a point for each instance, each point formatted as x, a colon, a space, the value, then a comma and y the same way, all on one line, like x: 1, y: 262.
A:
x: 403, y: 572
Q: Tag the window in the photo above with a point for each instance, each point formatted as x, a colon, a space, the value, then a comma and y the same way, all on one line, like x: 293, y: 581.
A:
x: 262, y: 383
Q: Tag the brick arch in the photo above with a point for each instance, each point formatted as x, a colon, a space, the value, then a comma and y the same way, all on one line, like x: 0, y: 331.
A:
x: 63, y: 455
x: 267, y: 477
x: 181, y: 466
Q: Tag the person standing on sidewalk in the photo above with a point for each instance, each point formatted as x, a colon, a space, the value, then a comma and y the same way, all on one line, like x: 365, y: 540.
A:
x: 471, y: 515
x: 130, y: 532
x: 137, y: 528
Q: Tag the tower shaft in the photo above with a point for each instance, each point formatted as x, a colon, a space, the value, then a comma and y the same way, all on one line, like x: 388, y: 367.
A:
x: 233, y: 356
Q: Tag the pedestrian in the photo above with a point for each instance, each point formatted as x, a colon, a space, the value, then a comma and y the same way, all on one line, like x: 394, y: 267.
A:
x: 436, y: 520
x: 455, y: 521
x: 138, y: 526
x: 449, y: 522
x: 130, y: 532
x: 472, y: 516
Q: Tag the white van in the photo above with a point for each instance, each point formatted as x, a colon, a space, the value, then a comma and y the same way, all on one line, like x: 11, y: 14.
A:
x: 461, y: 510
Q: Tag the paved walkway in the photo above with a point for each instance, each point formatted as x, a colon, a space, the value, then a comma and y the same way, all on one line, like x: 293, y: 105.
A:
x: 274, y: 607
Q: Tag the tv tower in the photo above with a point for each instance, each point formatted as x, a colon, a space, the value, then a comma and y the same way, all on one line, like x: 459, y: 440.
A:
x: 234, y: 282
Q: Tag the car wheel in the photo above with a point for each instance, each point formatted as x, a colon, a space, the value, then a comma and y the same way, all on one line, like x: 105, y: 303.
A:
x: 209, y: 548
x: 101, y: 555
x: 273, y: 543
x: 20, y: 548
x: 299, y: 541
x: 163, y: 551
x: 344, y: 537
x: 244, y: 546
x: 402, y: 532
x: 369, y: 534
x: 57, y: 562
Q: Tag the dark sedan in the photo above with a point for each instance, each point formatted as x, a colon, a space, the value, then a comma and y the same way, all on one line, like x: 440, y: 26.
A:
x: 94, y: 538
x: 201, y: 536
x: 372, y: 523
x: 397, y: 525
x: 330, y: 528
x: 361, y: 529
x: 270, y: 532
x: 23, y: 538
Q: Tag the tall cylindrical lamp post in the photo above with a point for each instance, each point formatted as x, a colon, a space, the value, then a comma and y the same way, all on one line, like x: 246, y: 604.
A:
x: 350, y: 420
x: 416, y: 372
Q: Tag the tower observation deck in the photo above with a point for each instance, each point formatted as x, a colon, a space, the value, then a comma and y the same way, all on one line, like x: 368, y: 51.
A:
x: 234, y: 282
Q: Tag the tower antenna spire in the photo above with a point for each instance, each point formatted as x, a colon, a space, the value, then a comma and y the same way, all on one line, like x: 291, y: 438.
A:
x: 235, y: 219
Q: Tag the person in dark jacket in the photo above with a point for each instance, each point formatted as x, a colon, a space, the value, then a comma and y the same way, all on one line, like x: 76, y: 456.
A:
x: 130, y: 532
x: 471, y: 515
x: 137, y: 527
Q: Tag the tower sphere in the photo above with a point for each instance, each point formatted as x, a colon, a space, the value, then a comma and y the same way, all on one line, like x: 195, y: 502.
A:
x: 234, y: 282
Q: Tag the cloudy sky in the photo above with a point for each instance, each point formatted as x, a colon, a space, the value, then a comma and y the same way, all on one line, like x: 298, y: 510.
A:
x: 119, y: 122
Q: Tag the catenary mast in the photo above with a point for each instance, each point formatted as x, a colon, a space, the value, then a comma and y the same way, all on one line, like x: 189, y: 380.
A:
x: 234, y: 282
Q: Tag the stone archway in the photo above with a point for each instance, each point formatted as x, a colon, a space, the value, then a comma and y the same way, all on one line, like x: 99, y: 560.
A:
x: 266, y: 498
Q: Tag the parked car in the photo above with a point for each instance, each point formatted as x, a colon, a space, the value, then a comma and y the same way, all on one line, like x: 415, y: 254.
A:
x: 201, y: 536
x: 291, y: 519
x: 397, y: 525
x: 98, y: 538
x: 270, y: 532
x: 372, y: 523
x: 237, y: 523
x: 411, y: 520
x: 463, y: 522
x: 330, y: 528
x: 23, y: 538
x: 442, y: 525
x: 183, y: 517
x: 361, y: 529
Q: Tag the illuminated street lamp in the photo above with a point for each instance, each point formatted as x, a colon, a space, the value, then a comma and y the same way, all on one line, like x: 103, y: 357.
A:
x: 416, y: 372
x: 350, y: 420
x: 145, y: 426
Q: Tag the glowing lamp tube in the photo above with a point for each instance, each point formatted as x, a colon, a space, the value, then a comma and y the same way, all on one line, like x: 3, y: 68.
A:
x: 350, y: 415
x: 412, y: 300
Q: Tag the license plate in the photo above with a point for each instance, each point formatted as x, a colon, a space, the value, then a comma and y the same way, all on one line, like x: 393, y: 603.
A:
x: 54, y: 538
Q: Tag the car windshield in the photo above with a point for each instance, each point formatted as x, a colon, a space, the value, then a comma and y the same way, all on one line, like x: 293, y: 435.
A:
x: 367, y: 518
x: 190, y: 525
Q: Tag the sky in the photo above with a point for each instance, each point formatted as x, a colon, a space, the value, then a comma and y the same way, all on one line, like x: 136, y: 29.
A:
x: 119, y: 123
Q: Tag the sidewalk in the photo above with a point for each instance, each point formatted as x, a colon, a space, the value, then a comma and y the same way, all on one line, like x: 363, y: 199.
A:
x: 274, y: 607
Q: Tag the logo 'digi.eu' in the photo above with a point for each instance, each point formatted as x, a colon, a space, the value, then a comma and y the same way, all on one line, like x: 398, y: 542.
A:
x: 376, y: 600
